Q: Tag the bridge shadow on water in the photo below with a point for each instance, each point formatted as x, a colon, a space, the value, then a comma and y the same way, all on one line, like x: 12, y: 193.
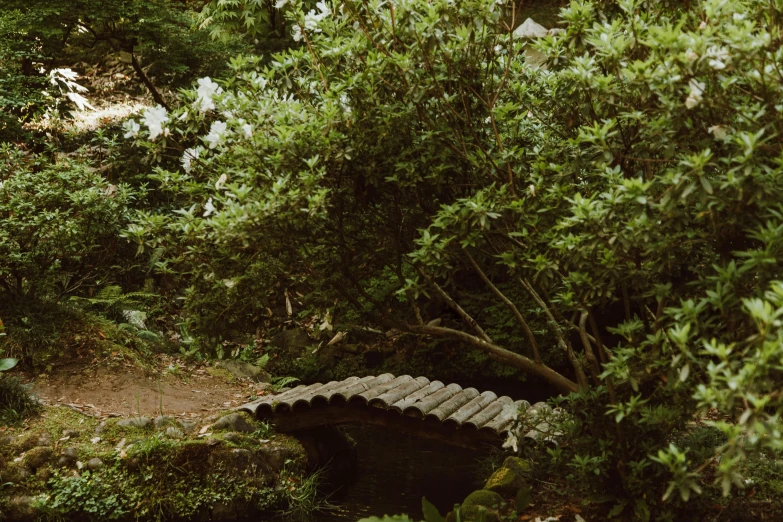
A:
x: 394, y: 470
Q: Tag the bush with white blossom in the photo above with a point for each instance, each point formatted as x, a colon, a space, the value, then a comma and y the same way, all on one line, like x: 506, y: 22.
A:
x: 616, y: 210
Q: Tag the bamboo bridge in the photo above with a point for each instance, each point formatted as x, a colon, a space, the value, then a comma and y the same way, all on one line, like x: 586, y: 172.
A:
x: 428, y: 409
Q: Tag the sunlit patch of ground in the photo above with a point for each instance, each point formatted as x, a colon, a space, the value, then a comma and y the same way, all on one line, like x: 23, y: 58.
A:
x: 106, y: 114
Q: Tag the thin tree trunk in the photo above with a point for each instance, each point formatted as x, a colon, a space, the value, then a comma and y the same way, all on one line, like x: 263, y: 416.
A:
x: 511, y: 306
x: 581, y: 378
x: 147, y: 83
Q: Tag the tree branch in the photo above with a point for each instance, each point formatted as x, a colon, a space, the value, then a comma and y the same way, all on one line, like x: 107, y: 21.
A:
x: 562, y: 383
x: 511, y: 306
x: 561, y: 340
x: 459, y: 310
x: 595, y: 369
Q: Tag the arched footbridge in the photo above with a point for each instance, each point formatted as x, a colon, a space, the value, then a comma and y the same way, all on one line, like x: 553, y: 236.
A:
x: 429, y: 409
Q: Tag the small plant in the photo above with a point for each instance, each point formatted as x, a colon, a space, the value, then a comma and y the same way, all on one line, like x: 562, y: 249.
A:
x: 279, y: 383
x: 302, y: 493
x: 16, y: 403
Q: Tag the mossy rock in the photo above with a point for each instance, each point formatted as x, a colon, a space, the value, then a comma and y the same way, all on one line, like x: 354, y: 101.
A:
x: 188, y: 478
x: 518, y: 465
x: 240, y: 422
x: 505, y: 482
x: 22, y: 509
x: 14, y: 473
x: 33, y: 440
x: 482, y: 497
x: 37, y: 457
x: 479, y: 514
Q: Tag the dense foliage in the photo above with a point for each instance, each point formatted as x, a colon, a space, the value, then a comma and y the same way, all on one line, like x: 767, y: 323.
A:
x: 597, y: 206
x: 627, y: 195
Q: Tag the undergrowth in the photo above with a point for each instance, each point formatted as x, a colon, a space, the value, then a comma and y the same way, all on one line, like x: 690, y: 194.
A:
x: 42, y: 333
x: 16, y: 402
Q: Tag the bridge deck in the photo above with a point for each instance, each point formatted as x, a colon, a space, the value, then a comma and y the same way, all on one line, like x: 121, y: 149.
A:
x: 461, y: 416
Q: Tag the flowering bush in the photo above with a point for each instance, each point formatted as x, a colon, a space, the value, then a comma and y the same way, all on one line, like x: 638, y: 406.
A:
x: 613, y: 187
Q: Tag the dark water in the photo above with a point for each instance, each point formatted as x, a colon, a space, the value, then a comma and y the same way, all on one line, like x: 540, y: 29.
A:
x: 395, y: 470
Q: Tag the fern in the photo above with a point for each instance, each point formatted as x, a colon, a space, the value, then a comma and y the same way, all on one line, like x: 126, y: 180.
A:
x: 112, y: 298
x: 280, y: 382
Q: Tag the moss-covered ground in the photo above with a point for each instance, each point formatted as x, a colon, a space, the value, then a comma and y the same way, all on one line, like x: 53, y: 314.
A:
x: 64, y: 465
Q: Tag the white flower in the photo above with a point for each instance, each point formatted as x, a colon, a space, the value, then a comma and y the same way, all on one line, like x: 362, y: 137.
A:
x: 296, y: 33
x: 694, y: 97
x: 217, y: 134
x: 131, y: 128
x: 155, y: 118
x: 511, y: 442
x: 230, y: 283
x: 221, y: 181
x: 189, y: 156
x: 280, y: 4
x: 209, y: 208
x: 206, y: 91
x: 345, y: 103
x: 247, y: 130
x: 718, y: 56
x: 324, y: 9
x: 312, y: 19
x: 259, y: 81
x: 311, y: 22
x: 719, y: 131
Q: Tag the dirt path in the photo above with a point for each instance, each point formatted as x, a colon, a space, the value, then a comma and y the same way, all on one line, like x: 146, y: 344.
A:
x: 126, y: 391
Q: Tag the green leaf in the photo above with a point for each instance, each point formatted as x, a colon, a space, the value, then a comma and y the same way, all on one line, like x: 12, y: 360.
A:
x: 522, y: 500
x: 705, y: 183
x: 7, y: 364
x: 147, y: 335
x: 616, y: 510
x: 431, y: 513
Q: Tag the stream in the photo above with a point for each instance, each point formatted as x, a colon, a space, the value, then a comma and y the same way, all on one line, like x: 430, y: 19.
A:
x: 395, y: 470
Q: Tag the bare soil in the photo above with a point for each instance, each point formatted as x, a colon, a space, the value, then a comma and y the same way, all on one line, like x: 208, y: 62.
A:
x: 122, y: 390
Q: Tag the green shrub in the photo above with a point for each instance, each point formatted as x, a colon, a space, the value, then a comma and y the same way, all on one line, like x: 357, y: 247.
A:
x: 59, y: 226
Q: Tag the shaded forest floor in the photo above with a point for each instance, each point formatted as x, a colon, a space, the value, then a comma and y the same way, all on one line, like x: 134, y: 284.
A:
x: 117, y: 388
